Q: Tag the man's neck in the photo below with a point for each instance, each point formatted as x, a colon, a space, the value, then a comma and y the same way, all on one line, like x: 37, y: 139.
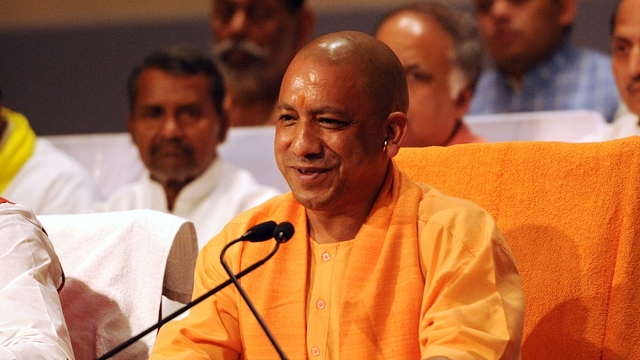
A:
x: 326, y: 227
x: 171, y: 190
x: 252, y: 113
x: 328, y: 230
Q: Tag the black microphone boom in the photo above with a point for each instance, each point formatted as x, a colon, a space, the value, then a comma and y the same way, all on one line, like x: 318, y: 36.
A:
x: 282, y: 233
x: 260, y: 232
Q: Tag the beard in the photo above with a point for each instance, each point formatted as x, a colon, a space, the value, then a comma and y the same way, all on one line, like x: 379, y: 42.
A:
x: 252, y: 71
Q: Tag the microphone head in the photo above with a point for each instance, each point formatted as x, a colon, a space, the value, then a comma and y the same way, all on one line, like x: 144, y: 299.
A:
x: 283, y: 232
x: 261, y: 232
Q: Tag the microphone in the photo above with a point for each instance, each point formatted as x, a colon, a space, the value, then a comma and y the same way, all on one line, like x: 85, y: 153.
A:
x: 282, y: 233
x: 260, y: 232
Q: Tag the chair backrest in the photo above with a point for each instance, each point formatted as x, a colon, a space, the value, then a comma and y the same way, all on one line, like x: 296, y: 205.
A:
x: 571, y: 215
x: 561, y: 125
x: 113, y: 160
x: 118, y: 266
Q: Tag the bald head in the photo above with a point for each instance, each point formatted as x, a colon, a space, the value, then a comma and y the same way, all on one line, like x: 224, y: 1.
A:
x: 381, y: 69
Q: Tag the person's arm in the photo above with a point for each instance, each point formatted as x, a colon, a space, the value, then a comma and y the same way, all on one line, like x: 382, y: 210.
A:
x: 211, y: 330
x: 33, y: 325
x: 473, y: 301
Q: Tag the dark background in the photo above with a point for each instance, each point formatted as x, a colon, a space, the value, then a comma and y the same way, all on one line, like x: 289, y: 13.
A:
x: 72, y: 80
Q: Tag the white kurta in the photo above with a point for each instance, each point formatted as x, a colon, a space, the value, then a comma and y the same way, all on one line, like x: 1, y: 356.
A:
x: 51, y: 182
x: 209, y: 201
x: 32, y: 325
x: 624, y: 126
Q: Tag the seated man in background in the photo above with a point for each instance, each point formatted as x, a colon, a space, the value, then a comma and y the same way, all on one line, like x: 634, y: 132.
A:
x: 176, y: 120
x: 32, y: 325
x: 253, y: 42
x: 441, y: 52
x: 534, y: 65
x: 36, y: 174
x: 379, y: 267
x: 625, y: 45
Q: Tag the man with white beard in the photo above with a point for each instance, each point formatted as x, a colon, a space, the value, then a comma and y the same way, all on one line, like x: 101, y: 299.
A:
x: 253, y: 43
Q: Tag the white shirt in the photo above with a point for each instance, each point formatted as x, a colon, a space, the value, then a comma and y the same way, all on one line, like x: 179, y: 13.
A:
x: 209, y: 201
x: 32, y: 325
x: 624, y: 126
x: 51, y: 182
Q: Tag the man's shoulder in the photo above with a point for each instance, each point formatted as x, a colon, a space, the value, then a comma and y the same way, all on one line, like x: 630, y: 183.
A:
x: 436, y: 204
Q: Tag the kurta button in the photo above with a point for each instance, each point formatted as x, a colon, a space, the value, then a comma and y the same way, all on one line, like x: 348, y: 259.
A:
x: 326, y: 257
x: 315, y: 351
x: 321, y: 304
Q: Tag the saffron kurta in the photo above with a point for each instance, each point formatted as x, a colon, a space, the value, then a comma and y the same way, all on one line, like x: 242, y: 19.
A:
x: 426, y: 275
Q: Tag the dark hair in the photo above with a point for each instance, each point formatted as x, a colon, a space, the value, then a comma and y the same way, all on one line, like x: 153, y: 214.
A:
x: 461, y: 25
x: 181, y: 60
x: 293, y: 5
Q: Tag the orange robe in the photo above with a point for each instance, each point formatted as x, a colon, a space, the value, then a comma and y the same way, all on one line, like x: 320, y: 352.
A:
x: 428, y: 275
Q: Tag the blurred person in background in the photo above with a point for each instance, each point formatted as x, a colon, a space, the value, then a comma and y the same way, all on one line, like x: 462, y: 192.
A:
x: 176, y: 120
x: 253, y: 42
x: 534, y: 66
x: 625, y: 46
x: 34, y: 173
x: 440, y: 49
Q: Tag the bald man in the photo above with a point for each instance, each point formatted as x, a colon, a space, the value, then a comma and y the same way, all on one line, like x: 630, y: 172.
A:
x: 440, y: 49
x: 379, y: 266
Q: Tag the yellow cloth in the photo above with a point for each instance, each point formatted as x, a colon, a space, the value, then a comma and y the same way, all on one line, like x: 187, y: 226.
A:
x: 18, y: 149
x: 463, y: 298
x: 571, y: 215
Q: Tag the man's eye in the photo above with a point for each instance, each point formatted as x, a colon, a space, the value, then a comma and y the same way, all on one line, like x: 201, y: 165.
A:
x: 286, y: 118
x: 620, y: 48
x: 152, y: 113
x: 483, y: 6
x: 332, y: 123
x: 419, y: 76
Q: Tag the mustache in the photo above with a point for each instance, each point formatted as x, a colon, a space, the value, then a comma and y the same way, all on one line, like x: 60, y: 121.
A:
x: 242, y: 45
x: 173, y: 143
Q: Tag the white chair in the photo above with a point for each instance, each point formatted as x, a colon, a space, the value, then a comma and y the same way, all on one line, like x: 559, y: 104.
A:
x: 566, y: 125
x: 113, y: 161
x: 118, y: 266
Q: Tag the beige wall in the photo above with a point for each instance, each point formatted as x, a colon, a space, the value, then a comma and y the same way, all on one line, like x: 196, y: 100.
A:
x: 25, y: 14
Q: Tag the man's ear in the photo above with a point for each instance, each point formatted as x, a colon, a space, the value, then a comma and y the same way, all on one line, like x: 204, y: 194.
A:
x: 462, y: 101
x: 568, y: 12
x: 305, y: 24
x: 223, y: 126
x: 130, y: 121
x: 396, y: 129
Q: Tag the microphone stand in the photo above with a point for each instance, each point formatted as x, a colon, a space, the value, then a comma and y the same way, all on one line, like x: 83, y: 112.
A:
x: 191, y: 304
x: 233, y: 278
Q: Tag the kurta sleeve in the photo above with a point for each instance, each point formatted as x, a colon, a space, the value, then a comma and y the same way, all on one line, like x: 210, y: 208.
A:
x: 473, y: 303
x: 33, y: 325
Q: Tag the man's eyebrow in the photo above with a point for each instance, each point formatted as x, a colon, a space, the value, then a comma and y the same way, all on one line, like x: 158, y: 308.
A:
x: 319, y: 110
x: 284, y: 106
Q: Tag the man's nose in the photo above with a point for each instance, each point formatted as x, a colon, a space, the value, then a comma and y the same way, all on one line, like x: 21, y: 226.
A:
x: 238, y: 24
